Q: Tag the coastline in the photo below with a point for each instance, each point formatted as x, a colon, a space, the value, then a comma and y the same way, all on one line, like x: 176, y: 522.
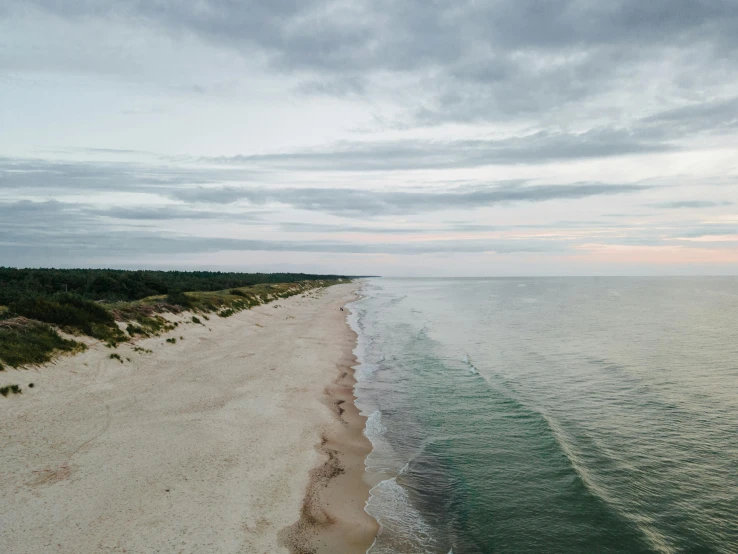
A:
x: 333, y: 519
x: 208, y: 444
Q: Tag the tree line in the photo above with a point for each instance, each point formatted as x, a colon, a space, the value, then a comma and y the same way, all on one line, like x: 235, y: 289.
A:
x: 126, y: 285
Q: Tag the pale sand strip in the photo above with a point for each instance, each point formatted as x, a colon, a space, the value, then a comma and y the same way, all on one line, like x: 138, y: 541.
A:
x: 205, y: 445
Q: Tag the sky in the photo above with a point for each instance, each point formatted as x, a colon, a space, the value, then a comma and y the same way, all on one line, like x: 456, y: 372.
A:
x: 382, y: 137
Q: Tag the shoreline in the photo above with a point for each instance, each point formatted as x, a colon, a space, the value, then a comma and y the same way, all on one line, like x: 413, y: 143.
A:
x: 333, y: 519
x: 204, y: 444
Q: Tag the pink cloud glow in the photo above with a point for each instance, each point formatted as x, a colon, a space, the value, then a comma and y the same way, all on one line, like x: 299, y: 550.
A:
x: 668, y: 254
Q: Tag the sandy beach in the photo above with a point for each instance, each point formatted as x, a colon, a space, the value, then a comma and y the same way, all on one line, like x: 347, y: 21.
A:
x: 240, y: 437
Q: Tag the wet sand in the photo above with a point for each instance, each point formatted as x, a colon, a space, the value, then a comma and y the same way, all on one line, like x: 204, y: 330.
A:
x: 241, y: 437
x: 332, y: 518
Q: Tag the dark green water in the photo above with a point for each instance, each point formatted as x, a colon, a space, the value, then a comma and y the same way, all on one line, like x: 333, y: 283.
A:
x: 551, y: 415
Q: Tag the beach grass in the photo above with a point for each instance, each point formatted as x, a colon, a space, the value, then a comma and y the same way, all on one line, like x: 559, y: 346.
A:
x: 24, y: 342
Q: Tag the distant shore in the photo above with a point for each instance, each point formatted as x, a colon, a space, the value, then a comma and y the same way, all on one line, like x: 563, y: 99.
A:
x: 240, y: 436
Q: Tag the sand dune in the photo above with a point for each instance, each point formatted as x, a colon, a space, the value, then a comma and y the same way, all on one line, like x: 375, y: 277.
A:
x: 241, y: 437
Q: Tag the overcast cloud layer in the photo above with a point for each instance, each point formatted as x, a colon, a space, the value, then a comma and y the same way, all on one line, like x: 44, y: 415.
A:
x: 503, y: 137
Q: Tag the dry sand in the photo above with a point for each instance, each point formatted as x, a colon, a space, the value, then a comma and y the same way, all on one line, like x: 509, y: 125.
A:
x: 242, y: 437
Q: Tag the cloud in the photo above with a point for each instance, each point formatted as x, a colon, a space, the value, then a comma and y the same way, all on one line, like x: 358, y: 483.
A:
x: 720, y: 114
x: 399, y: 118
x: 540, y: 147
x: 305, y: 227
x: 186, y: 184
x: 360, y: 202
x: 174, y: 212
x: 453, y: 60
x: 677, y: 204
x: 389, y: 35
x: 707, y: 231
x: 29, y: 175
x: 71, y: 240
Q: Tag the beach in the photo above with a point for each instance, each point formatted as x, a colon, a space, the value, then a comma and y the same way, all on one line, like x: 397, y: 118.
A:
x: 241, y: 436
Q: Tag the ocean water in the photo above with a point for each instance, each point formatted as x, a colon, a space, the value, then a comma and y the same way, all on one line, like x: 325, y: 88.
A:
x: 558, y: 415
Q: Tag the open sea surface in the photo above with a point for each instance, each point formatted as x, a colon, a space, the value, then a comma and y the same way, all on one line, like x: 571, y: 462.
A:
x: 551, y: 415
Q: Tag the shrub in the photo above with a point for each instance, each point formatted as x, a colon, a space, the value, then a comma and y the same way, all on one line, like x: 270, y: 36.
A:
x: 179, y: 298
x: 15, y: 389
x: 172, y: 340
x: 23, y: 343
x: 116, y: 357
x: 65, y: 310
x: 136, y: 330
x: 153, y: 325
x: 196, y: 319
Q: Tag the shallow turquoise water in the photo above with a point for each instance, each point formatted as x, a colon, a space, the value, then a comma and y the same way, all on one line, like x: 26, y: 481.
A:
x: 551, y: 415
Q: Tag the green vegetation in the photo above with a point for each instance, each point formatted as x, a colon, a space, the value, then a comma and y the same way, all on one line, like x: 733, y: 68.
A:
x: 36, y: 304
x: 24, y: 342
x: 178, y: 298
x: 72, y: 313
x: 121, y: 285
x: 116, y: 357
x: 144, y: 350
x: 172, y: 340
x: 133, y: 330
x: 15, y: 389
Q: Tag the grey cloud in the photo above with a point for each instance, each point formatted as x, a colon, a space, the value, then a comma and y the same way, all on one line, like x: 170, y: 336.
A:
x: 27, y: 216
x: 147, y: 213
x: 185, y: 184
x: 39, y: 175
x: 52, y: 216
x: 355, y: 202
x: 716, y: 113
x: 538, y: 147
x: 71, y: 241
x: 57, y: 232
x: 447, y: 226
x: 158, y: 243
x: 336, y: 228
x: 415, y: 33
x: 52, y: 176
x: 691, y: 204
x: 470, y: 60
x: 707, y: 231
x: 713, y: 116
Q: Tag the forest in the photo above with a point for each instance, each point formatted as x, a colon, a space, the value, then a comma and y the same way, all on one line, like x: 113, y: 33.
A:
x: 113, y: 285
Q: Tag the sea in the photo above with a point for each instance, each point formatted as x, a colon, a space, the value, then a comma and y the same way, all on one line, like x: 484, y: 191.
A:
x: 550, y: 415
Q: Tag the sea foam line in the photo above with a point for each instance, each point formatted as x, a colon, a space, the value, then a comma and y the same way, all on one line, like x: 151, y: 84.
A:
x: 389, y: 502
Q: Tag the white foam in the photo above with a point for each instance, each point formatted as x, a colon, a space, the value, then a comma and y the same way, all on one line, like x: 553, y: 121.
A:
x: 468, y: 362
x: 382, y: 458
x: 374, y: 427
x: 399, y: 521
